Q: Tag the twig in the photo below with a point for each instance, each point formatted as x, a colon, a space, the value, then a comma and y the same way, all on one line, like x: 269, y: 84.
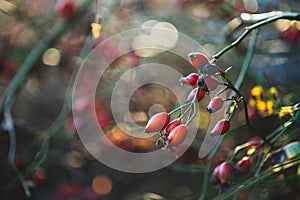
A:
x: 64, y: 113
x: 281, y: 15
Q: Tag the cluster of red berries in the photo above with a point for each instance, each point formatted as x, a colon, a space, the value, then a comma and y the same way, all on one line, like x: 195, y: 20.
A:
x: 224, y: 172
x: 172, y: 130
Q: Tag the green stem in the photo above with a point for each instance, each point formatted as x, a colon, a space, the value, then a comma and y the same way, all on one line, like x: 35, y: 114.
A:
x: 15, y: 84
x: 56, y: 126
x: 235, y: 90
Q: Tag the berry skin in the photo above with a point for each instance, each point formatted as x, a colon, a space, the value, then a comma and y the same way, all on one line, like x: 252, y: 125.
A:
x: 177, y: 135
x: 221, y: 127
x: 66, y: 8
x: 211, y: 83
x: 197, y: 59
x: 191, y: 79
x: 225, y: 172
x: 215, y: 104
x: 157, y: 122
x: 215, y: 175
x: 209, y: 69
x: 200, y: 96
x: 244, y: 165
x: 174, y: 123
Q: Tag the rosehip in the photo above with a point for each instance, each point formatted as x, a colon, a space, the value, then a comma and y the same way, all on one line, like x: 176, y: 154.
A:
x: 197, y: 59
x: 66, y: 8
x: 211, y: 83
x: 157, y: 122
x: 244, y: 165
x: 192, y: 94
x: 215, y: 175
x: 221, y: 127
x: 191, y: 79
x: 215, y: 104
x: 209, y: 69
x: 225, y: 172
x: 174, y: 123
x: 177, y: 135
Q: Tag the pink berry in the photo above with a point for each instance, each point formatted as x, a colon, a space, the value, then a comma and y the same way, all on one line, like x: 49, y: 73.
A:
x: 215, y: 104
x: 157, y: 122
x: 197, y: 59
x: 221, y: 127
x: 177, y: 135
x: 211, y: 83
x: 174, y: 123
x: 225, y: 172
x: 244, y: 165
x: 192, y: 94
x: 191, y: 79
x: 66, y: 8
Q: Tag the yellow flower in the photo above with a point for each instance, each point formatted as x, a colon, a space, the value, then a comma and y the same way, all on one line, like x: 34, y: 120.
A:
x: 270, y: 105
x: 257, y: 91
x: 96, y: 28
x: 286, y: 110
x: 261, y: 105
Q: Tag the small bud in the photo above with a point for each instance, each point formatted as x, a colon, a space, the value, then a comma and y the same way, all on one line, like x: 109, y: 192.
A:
x: 192, y: 94
x: 177, y: 135
x: 197, y: 59
x: 244, y: 165
x: 225, y: 172
x: 191, y: 79
x: 174, y: 123
x: 215, y: 104
x: 157, y: 122
x: 221, y: 127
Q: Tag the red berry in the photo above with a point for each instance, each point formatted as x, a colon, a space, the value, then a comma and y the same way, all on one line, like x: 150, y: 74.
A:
x: 191, y: 79
x: 197, y: 59
x: 221, y: 127
x: 40, y: 175
x: 225, y: 172
x: 244, y: 165
x: 215, y: 175
x: 157, y: 122
x: 192, y: 94
x: 215, y: 104
x: 290, y: 35
x: 172, y: 125
x: 177, y: 135
x: 211, y: 83
x: 66, y: 8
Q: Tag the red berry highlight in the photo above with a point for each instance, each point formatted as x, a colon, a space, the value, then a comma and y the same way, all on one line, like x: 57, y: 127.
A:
x: 157, y: 122
x: 66, y: 8
x: 174, y: 123
x: 221, y: 127
x: 225, y: 172
x: 244, y: 165
x: 192, y: 94
x: 197, y: 59
x: 215, y: 104
x: 191, y: 79
x: 177, y: 135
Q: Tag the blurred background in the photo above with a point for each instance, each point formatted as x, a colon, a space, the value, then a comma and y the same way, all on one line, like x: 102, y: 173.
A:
x: 69, y: 171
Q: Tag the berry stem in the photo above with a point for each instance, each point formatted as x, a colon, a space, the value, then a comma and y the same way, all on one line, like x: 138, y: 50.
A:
x: 248, y: 29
